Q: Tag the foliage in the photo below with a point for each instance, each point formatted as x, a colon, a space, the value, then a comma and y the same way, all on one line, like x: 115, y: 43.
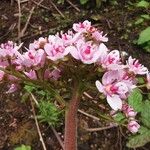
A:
x: 143, y: 4
x: 97, y: 2
x: 139, y: 140
x: 23, y: 147
x: 144, y: 39
x: 135, y: 100
x: 49, y: 113
x: 143, y: 107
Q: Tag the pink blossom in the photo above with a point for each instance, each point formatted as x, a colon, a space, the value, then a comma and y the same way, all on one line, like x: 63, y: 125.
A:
x: 13, y: 87
x: 9, y: 49
x: 54, y: 74
x: 31, y: 74
x: 32, y: 58
x: 67, y: 38
x: 87, y: 52
x: 38, y: 44
x: 128, y: 111
x: 111, y: 60
x: 133, y: 126
x: 55, y: 49
x: 134, y: 66
x: 113, y: 89
x: 82, y: 27
x: 98, y: 36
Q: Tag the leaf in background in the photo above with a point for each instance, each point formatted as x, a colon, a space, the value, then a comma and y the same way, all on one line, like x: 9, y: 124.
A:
x: 144, y: 36
x: 139, y: 140
x: 143, y: 4
x: 135, y: 100
x: 146, y: 16
x: 145, y: 114
x: 23, y: 147
x: 83, y: 2
x: 29, y: 88
x: 139, y: 21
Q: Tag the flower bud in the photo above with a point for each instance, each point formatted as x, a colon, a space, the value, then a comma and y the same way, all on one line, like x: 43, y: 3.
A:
x: 133, y: 126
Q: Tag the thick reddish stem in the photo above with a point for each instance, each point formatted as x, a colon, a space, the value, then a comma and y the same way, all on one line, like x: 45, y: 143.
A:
x: 71, y: 123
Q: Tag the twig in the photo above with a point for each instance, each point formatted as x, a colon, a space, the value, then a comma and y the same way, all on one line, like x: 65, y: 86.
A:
x: 40, y: 5
x: 58, y: 138
x: 19, y: 21
x: 87, y: 95
x: 38, y: 128
x: 57, y: 9
x: 100, y: 129
x: 27, y: 23
x: 88, y: 115
x: 28, y: 20
x: 76, y: 8
x: 34, y: 99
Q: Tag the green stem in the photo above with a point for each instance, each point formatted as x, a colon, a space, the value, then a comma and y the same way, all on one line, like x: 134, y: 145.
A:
x: 36, y: 82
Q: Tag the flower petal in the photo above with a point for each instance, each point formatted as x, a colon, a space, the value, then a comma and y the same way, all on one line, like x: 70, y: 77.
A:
x: 114, y: 101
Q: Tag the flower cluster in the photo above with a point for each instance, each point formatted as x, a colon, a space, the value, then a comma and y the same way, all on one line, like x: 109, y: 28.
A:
x: 85, y: 44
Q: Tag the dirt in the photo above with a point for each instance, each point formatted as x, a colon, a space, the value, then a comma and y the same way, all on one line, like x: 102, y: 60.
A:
x: 17, y: 125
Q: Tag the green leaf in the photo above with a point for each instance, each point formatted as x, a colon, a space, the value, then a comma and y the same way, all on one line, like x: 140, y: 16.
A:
x: 143, y: 4
x: 144, y: 36
x: 145, y: 114
x: 139, y: 140
x: 49, y: 113
x: 146, y: 16
x: 135, y: 100
x: 29, y: 88
x: 139, y: 21
x: 23, y: 147
x: 119, y: 117
x: 143, y: 130
x: 83, y: 2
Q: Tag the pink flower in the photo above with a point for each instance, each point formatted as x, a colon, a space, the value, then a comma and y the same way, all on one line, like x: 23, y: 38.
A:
x: 13, y: 87
x: 67, y: 38
x: 99, y: 36
x: 31, y: 74
x: 55, y: 49
x: 113, y: 89
x: 38, y: 44
x: 128, y: 110
x: 87, y: 52
x: 91, y: 31
x: 54, y: 74
x: 82, y: 27
x: 133, y: 126
x: 111, y: 60
x: 134, y: 66
x: 9, y: 49
x: 32, y: 58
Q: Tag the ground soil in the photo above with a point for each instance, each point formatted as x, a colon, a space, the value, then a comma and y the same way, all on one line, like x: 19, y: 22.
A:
x: 17, y: 125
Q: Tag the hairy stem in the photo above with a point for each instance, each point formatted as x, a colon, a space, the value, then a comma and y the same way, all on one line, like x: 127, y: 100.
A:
x: 70, y: 142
